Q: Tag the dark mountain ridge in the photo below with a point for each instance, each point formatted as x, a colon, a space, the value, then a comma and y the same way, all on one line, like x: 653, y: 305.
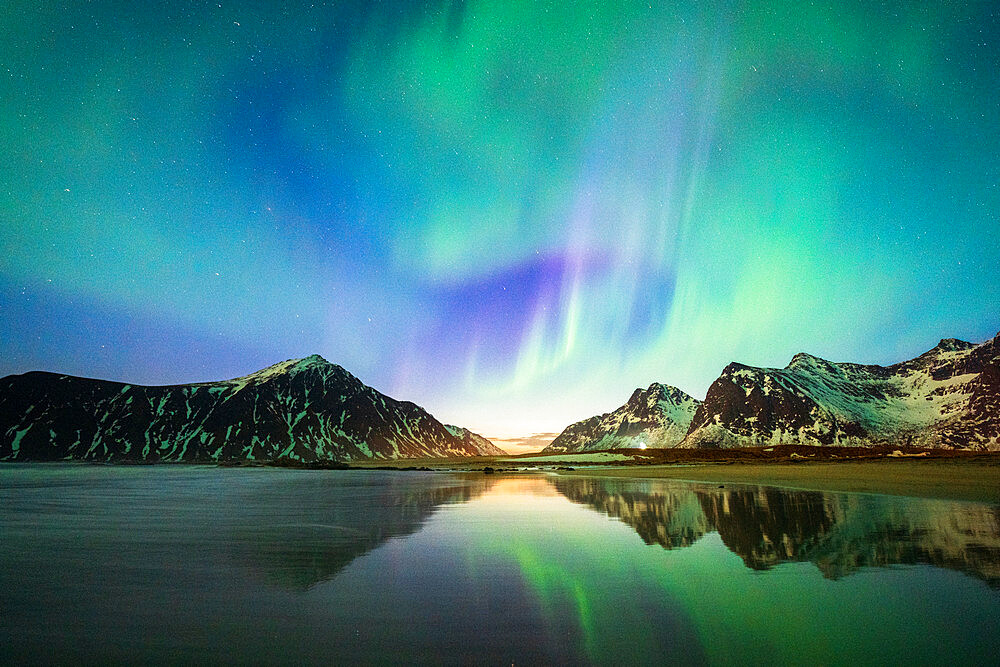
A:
x: 301, y: 409
x: 948, y: 396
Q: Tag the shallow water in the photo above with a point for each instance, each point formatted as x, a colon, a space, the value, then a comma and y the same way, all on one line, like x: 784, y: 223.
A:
x: 199, y: 564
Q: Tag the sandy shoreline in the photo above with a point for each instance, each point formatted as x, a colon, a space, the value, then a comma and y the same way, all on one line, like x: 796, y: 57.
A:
x: 967, y: 477
x: 935, y: 473
x: 956, y: 479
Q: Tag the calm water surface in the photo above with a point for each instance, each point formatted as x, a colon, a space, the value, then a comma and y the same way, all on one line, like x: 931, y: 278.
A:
x: 189, y: 564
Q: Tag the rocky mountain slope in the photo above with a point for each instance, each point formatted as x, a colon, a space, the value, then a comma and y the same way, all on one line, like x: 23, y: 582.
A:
x: 947, y: 397
x: 658, y: 416
x: 481, y: 445
x: 301, y: 409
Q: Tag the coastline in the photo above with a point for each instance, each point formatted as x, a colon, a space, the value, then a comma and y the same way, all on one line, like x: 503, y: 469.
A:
x: 945, y: 479
x: 973, y: 477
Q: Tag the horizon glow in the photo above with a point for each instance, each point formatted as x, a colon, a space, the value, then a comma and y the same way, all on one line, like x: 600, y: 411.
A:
x: 511, y: 213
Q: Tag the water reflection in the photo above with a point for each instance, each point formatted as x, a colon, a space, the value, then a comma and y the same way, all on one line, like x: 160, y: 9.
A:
x: 110, y: 565
x: 766, y: 526
x: 310, y: 542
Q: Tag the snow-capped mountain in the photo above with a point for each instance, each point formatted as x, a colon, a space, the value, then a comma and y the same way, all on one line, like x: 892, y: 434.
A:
x: 301, y: 409
x: 946, y: 397
x: 658, y: 416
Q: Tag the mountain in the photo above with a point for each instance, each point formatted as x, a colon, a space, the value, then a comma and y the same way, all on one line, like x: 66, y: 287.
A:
x: 301, y: 409
x: 475, y: 441
x: 947, y: 397
x: 658, y: 416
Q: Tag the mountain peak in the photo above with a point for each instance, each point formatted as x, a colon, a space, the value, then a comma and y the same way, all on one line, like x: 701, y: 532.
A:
x: 314, y: 359
x: 657, y: 416
x: 952, y: 344
x: 302, y: 410
x: 285, y: 368
x: 655, y: 390
x: 805, y: 359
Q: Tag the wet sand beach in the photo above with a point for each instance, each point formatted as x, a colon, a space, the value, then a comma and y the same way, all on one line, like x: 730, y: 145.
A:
x: 935, y: 473
x: 974, y: 479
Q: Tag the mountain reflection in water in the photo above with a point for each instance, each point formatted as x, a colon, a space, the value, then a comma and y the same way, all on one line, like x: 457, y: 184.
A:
x: 310, y: 543
x: 208, y: 565
x: 764, y: 526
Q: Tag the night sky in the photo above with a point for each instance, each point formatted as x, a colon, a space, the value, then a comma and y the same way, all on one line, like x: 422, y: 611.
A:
x: 510, y: 212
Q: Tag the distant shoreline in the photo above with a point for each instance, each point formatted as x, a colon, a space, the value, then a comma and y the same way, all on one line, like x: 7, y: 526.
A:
x: 943, y: 474
x: 952, y: 479
x: 922, y: 473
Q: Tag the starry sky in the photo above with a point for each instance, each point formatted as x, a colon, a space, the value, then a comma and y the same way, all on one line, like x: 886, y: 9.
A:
x: 510, y: 212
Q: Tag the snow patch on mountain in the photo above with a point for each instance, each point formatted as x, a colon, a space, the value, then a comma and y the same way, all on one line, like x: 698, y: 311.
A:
x: 483, y: 446
x: 300, y: 409
x: 943, y: 398
x: 657, y: 416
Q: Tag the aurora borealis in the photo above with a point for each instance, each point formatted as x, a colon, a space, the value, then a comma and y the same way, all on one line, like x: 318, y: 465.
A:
x: 509, y: 212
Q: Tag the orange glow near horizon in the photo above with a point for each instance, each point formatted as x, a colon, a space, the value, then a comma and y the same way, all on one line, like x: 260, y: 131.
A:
x: 529, y: 444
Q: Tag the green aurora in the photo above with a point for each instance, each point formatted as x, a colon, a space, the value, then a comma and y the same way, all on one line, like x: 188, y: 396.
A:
x: 510, y: 212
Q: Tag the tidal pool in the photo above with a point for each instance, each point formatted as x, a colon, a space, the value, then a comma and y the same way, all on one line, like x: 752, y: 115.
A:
x: 185, y: 564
